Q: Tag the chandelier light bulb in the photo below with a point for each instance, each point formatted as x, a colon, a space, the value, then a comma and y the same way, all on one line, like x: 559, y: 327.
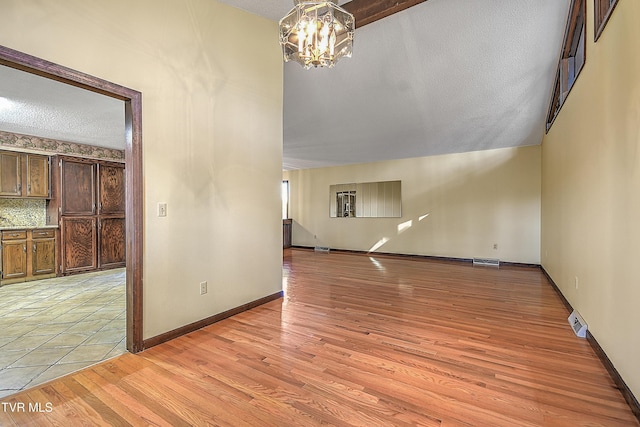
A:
x: 316, y: 33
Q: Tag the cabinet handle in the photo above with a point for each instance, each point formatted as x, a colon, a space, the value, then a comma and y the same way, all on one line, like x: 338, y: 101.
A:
x: 24, y: 248
x: 15, y: 234
x: 34, y: 248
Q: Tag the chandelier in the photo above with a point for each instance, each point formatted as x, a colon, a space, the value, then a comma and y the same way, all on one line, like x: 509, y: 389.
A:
x: 316, y: 33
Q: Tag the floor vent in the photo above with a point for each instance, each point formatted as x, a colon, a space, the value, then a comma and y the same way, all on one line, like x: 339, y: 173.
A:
x: 578, y: 324
x: 324, y: 249
x: 486, y: 262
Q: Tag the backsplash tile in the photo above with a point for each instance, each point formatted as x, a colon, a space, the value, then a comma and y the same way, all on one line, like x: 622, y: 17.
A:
x: 23, y: 212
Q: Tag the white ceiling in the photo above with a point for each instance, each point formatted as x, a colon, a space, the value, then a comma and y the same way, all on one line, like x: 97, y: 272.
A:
x: 34, y: 105
x: 441, y: 77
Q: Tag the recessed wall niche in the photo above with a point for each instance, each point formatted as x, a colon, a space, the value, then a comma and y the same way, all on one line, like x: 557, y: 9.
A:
x: 366, y: 200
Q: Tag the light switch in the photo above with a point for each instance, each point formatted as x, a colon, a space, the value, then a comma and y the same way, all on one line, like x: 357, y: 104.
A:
x: 162, y: 209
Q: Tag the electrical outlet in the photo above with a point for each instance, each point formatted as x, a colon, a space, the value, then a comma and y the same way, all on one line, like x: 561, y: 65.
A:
x: 203, y: 288
x: 495, y: 246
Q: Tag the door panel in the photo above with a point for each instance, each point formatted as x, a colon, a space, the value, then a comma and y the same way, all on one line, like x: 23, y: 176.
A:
x: 111, y: 189
x: 78, y: 188
x: 78, y: 244
x: 112, y: 242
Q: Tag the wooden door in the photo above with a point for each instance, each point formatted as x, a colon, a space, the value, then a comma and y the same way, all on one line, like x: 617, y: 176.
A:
x: 78, y: 244
x: 111, y: 189
x: 78, y: 188
x: 37, y: 176
x: 14, y: 259
x: 112, y: 241
x: 43, y: 257
x: 10, y: 174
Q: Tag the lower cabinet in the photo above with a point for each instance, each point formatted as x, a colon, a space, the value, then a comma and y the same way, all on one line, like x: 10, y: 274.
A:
x: 79, y: 242
x: 43, y: 252
x: 112, y: 242
x: 28, y: 255
x: 14, y: 255
x: 90, y: 243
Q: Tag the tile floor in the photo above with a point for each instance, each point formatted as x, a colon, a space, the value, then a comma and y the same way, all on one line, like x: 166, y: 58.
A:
x: 52, y: 327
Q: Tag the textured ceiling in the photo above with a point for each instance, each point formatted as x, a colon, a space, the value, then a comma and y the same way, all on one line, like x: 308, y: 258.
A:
x: 34, y: 105
x: 441, y: 77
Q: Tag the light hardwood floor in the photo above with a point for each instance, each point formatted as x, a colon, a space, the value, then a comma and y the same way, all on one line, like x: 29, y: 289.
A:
x: 357, y: 340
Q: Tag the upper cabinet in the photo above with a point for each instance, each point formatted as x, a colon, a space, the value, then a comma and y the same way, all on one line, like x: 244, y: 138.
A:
x: 111, y: 189
x: 24, y: 175
x: 10, y: 174
x: 37, y: 176
x: 90, y: 187
x: 78, y: 187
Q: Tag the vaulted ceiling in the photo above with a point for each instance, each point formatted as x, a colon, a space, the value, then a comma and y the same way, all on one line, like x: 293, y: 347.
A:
x: 442, y: 76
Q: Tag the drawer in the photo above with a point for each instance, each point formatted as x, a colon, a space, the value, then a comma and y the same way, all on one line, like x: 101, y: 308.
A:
x: 43, y: 233
x: 14, y: 235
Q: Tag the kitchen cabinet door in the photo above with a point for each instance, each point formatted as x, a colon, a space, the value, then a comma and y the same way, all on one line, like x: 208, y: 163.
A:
x: 43, y: 256
x: 78, y: 188
x: 10, y: 174
x: 78, y: 244
x: 14, y: 259
x: 37, y: 176
x: 112, y: 241
x: 111, y: 189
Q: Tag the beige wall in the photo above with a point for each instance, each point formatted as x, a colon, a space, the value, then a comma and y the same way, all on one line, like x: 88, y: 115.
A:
x: 212, y: 136
x: 472, y: 200
x: 591, y: 191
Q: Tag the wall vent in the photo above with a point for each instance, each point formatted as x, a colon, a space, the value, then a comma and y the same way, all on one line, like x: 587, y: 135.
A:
x: 486, y: 262
x: 324, y: 249
x: 578, y: 324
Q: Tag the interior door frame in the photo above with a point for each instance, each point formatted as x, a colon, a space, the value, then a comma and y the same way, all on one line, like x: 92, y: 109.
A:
x: 134, y: 216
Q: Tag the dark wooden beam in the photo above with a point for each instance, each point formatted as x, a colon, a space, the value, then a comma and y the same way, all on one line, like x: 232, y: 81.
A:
x: 368, y: 11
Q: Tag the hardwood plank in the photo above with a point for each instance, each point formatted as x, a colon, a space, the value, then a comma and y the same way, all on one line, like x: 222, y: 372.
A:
x: 360, y: 340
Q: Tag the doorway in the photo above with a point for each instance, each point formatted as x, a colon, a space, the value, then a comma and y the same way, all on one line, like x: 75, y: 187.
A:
x: 133, y: 170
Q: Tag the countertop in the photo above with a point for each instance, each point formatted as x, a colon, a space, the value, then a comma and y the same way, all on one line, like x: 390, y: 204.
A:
x: 23, y: 227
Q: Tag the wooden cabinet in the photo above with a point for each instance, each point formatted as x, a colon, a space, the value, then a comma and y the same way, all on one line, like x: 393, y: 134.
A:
x: 78, y: 239
x: 37, y: 176
x: 28, y: 255
x: 78, y: 188
x: 10, y: 174
x: 89, y: 202
x: 24, y: 175
x: 111, y: 238
x: 14, y: 254
x: 43, y: 252
x: 111, y: 189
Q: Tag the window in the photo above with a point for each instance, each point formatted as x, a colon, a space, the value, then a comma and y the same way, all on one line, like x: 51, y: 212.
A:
x: 285, y: 199
x: 572, y: 59
x: 602, y: 11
